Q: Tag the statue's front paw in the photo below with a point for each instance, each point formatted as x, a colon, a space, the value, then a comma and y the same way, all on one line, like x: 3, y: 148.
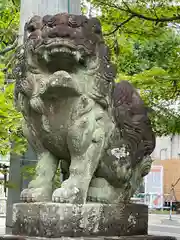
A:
x: 36, y: 195
x: 65, y: 195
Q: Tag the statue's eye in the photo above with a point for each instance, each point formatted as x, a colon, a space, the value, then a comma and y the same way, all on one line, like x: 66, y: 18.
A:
x: 31, y: 28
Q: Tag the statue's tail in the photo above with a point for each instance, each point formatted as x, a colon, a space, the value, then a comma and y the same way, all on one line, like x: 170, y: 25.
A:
x: 131, y: 117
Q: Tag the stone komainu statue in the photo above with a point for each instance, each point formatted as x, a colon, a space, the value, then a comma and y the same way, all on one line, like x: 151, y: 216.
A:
x: 76, y: 115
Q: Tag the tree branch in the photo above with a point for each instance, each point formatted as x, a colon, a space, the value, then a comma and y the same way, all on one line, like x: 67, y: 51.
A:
x: 7, y: 28
x: 127, y: 9
x: 119, y: 26
x: 9, y: 48
x: 157, y: 20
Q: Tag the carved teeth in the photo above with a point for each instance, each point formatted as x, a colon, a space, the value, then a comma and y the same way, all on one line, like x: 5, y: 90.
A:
x: 65, y: 50
x: 62, y: 49
x: 46, y: 56
x: 78, y: 56
x: 54, y: 50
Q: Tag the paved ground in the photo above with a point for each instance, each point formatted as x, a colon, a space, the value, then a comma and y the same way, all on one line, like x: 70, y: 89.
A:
x: 2, y: 225
x: 161, y: 225
x: 158, y: 225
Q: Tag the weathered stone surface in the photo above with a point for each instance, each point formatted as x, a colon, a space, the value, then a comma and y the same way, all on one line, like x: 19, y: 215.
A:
x: 54, y: 220
x: 143, y: 237
x: 75, y: 111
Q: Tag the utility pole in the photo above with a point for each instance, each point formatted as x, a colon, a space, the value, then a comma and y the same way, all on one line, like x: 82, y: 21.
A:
x: 30, y: 8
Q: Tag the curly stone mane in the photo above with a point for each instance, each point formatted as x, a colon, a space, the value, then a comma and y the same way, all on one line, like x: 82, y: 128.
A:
x: 76, y: 38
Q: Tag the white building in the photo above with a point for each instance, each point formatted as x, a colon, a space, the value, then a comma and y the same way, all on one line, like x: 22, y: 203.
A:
x: 167, y: 147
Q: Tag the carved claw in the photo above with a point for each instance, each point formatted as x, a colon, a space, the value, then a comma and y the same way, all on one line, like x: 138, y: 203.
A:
x: 36, y: 195
x: 64, y: 195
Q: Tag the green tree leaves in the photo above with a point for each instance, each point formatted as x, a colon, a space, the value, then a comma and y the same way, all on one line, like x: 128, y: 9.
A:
x: 144, y: 40
x: 10, y: 119
x: 148, y: 52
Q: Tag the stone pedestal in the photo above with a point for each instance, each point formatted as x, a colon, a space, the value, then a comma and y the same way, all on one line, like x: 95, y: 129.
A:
x: 10, y: 237
x: 91, y: 221
x: 53, y: 220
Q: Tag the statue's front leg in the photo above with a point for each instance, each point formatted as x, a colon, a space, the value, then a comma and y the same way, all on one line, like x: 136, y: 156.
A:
x: 40, y: 188
x: 86, y: 142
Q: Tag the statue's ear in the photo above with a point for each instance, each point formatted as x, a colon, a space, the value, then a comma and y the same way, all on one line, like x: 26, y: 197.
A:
x: 95, y: 25
x: 25, y: 32
x: 34, y: 24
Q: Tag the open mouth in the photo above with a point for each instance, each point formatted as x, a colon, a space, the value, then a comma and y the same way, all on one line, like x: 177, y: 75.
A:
x: 59, y: 57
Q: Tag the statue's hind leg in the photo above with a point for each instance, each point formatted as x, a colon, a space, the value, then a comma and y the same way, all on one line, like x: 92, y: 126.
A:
x: 101, y: 191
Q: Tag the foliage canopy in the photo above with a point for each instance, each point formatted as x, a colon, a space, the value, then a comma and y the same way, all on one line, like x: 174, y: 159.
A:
x: 145, y: 44
x: 10, y: 119
x: 144, y: 39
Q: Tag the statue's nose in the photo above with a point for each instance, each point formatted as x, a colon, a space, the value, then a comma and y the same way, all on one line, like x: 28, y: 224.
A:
x: 64, y: 31
x: 60, y: 31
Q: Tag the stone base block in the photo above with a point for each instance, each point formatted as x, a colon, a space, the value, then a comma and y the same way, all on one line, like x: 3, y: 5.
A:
x: 144, y: 237
x: 53, y: 220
